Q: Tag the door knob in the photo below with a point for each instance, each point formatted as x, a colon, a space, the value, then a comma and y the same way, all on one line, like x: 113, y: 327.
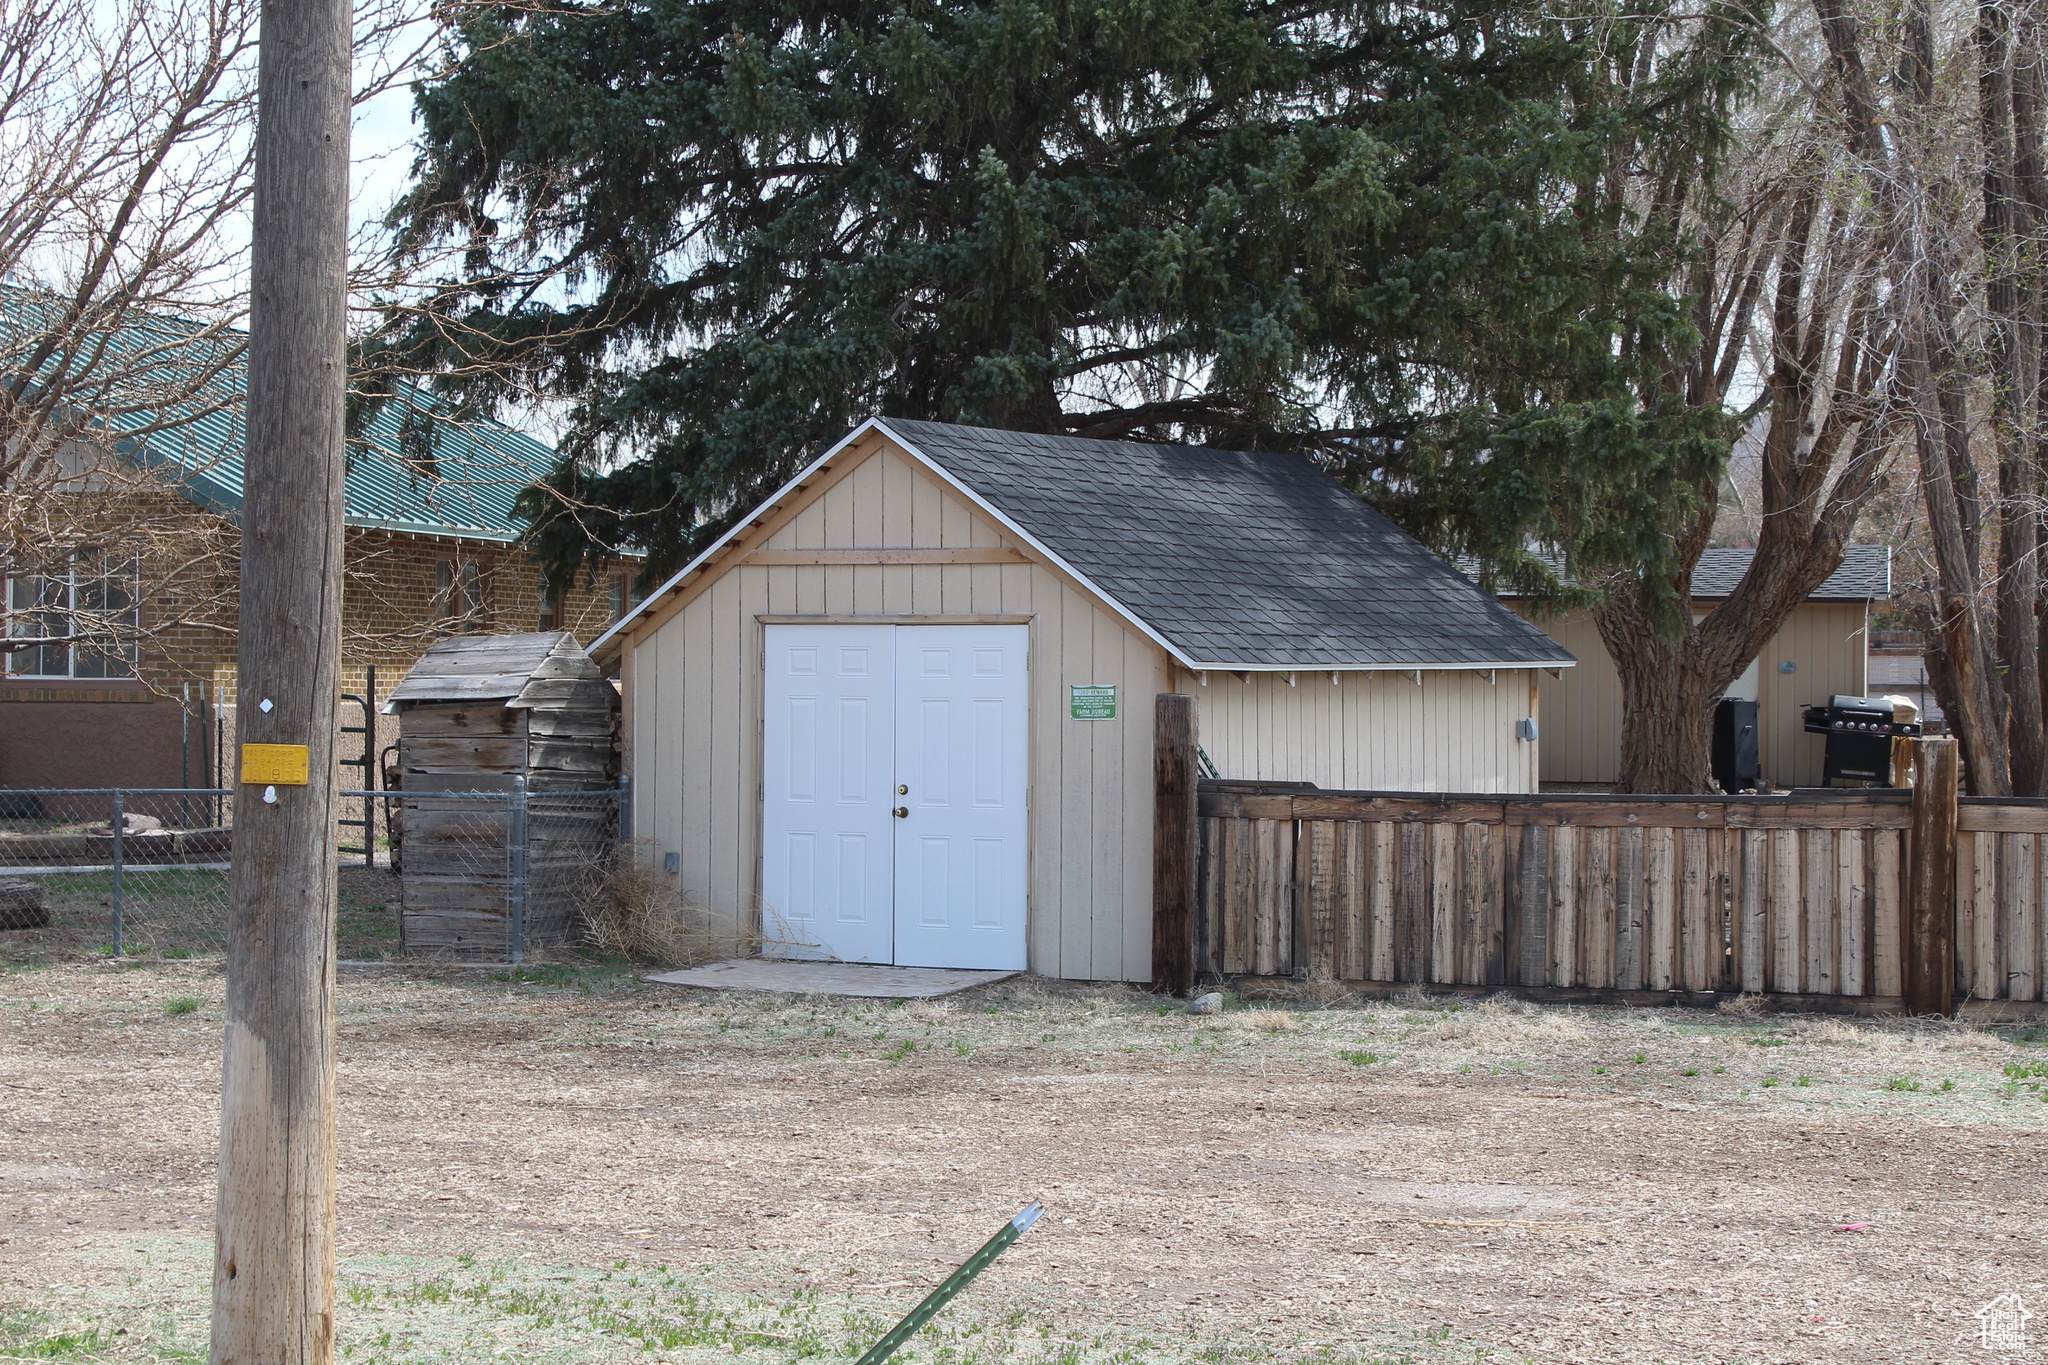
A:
x: 903, y: 812
x: 903, y: 791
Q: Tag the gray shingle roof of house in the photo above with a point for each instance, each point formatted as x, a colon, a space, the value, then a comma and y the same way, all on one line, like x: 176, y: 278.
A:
x: 1865, y: 575
x: 1236, y: 559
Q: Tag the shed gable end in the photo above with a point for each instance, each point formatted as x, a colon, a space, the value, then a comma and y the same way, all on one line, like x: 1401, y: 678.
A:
x: 887, y: 501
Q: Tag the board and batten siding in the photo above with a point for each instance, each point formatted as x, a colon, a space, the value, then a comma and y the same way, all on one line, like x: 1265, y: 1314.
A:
x: 1581, y: 740
x: 1825, y: 641
x: 1379, y: 731
x: 695, y: 724
x: 1828, y: 644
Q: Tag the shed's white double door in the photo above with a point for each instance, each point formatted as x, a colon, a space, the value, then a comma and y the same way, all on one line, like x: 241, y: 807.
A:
x: 893, y: 796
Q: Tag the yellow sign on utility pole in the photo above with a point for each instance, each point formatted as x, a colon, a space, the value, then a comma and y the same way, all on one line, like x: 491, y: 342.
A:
x: 278, y: 765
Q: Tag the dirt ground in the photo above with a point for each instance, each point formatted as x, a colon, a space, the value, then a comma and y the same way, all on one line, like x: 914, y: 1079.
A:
x: 574, y: 1166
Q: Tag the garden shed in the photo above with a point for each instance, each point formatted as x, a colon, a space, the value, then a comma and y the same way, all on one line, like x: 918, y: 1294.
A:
x: 529, y: 724
x: 1820, y: 651
x: 903, y: 712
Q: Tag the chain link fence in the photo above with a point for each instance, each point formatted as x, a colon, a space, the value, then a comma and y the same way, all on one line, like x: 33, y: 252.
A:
x: 479, y: 875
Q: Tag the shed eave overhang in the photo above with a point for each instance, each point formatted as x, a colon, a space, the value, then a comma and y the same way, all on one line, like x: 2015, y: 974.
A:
x: 1425, y: 665
x: 608, y: 647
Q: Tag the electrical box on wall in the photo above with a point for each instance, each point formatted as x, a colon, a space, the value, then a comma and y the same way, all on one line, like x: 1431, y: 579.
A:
x: 1525, y: 728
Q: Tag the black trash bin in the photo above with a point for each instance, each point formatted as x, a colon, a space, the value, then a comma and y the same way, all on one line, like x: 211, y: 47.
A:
x: 1737, y: 767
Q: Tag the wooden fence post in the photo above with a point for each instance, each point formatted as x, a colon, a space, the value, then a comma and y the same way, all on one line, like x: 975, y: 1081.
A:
x: 1930, y: 941
x: 1174, y: 843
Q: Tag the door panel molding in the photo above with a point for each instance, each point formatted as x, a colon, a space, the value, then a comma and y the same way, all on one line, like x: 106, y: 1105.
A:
x: 853, y: 712
x: 828, y: 756
x: 963, y: 704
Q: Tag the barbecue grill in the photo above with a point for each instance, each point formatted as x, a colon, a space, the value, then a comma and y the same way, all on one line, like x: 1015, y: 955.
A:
x: 1860, y: 732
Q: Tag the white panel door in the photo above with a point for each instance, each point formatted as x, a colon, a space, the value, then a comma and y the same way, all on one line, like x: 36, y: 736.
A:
x: 828, y: 750
x: 962, y: 760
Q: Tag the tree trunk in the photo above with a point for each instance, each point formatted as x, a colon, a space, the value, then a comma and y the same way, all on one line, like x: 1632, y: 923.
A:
x: 1667, y: 731
x: 1929, y: 372
x: 1943, y: 443
x: 2010, y: 306
x: 273, y: 1279
x: 2030, y: 186
x: 1667, y: 703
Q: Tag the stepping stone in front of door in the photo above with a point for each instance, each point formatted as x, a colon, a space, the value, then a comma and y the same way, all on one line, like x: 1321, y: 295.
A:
x: 830, y: 978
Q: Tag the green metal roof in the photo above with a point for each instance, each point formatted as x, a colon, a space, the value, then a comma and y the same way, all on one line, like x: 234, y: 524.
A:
x: 411, y: 468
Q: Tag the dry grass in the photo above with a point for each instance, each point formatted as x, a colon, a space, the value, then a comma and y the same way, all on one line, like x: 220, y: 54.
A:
x: 1265, y: 1021
x: 1836, y: 1033
x: 1503, y: 1025
x: 1445, y: 1180
x: 637, y: 912
x: 1958, y: 1036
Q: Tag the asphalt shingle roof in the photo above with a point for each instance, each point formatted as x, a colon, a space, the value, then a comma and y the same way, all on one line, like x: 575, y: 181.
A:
x: 1865, y: 575
x: 1236, y: 559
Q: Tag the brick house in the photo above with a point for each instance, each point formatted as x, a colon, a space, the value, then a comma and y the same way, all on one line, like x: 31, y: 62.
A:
x: 431, y: 550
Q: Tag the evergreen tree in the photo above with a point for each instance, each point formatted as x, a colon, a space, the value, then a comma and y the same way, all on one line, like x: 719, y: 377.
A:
x: 1389, y: 235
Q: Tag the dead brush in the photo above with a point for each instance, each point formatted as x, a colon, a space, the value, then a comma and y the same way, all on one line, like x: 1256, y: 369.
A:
x: 1329, y: 993
x: 1504, y: 1025
x: 1313, y: 992
x: 636, y: 912
x: 1835, y: 1033
x: 1265, y: 1021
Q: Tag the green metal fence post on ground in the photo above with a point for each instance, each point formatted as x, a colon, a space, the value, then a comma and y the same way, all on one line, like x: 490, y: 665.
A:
x: 185, y: 756
x: 368, y: 763
x: 120, y: 829
x: 517, y: 891
x: 955, y: 1282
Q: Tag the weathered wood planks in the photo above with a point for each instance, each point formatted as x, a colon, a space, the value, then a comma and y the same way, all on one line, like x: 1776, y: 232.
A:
x: 1808, y: 894
x: 1175, y: 860
x: 1930, y: 940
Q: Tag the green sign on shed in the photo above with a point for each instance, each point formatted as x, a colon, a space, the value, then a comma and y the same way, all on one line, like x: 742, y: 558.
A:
x: 1091, y: 701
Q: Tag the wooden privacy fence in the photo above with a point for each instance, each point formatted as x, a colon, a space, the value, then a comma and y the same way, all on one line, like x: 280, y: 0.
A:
x: 1817, y: 893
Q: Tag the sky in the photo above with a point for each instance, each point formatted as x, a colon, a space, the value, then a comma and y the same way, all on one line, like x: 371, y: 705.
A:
x: 380, y: 146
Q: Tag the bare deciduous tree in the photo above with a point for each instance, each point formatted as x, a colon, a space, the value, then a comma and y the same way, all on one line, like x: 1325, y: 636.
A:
x: 1939, y: 115
x: 126, y: 133
x: 1778, y: 254
x: 124, y: 160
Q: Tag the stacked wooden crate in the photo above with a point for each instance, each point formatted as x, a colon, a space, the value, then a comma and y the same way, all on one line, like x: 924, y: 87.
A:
x: 476, y: 713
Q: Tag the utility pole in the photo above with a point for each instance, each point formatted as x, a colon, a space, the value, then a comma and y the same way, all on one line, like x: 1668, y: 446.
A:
x: 273, y: 1274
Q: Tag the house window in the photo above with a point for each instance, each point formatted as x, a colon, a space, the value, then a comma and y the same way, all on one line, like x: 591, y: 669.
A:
x: 550, y: 607
x: 619, y: 586
x: 459, y: 596
x: 81, y: 622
